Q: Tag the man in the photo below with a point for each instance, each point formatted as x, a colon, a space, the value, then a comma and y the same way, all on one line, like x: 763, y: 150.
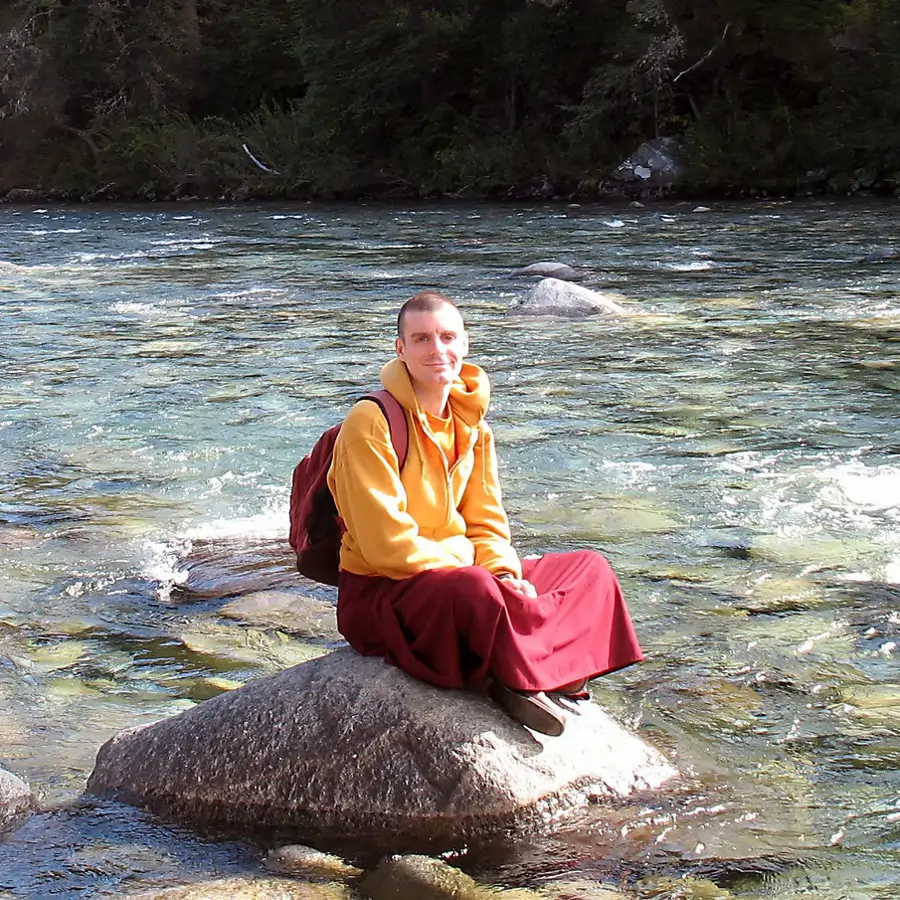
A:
x: 429, y: 578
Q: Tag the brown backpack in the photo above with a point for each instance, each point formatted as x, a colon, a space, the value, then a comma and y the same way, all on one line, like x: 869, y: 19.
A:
x: 316, y: 528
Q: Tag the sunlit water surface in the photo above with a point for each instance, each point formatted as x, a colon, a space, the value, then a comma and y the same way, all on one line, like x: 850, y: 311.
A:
x: 732, y: 447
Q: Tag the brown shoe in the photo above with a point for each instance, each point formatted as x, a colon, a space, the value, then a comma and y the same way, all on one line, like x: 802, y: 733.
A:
x: 534, y: 709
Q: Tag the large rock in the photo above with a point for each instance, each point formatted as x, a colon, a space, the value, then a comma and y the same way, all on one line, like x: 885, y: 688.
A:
x: 347, y: 747
x: 16, y: 799
x: 653, y: 170
x: 552, y: 297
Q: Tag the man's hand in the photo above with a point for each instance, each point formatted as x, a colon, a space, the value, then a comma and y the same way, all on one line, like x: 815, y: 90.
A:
x: 521, y: 585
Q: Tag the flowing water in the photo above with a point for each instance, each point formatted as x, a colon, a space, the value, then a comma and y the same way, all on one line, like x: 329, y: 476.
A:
x: 732, y: 447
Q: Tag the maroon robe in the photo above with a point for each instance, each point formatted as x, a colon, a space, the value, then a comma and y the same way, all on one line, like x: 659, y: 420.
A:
x: 451, y: 627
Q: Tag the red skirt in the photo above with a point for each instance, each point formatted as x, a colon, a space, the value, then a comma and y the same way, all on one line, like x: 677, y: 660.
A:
x: 452, y: 627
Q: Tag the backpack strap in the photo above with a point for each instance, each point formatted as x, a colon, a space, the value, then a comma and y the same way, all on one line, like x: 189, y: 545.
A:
x: 396, y: 419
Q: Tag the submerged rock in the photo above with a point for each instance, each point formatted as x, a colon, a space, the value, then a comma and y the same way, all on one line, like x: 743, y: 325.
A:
x: 682, y: 887
x: 242, y: 888
x: 425, y: 878
x: 421, y: 877
x: 345, y: 746
x: 883, y: 254
x: 548, y: 270
x: 288, y: 611
x: 16, y: 799
x: 300, y: 860
x: 233, y: 566
x: 578, y: 890
x: 781, y: 595
x: 552, y: 297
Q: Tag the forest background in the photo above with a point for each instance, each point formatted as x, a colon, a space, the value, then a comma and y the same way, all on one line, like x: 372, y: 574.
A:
x: 153, y: 99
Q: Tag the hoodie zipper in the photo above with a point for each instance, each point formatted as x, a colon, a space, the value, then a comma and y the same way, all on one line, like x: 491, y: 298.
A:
x: 449, y: 470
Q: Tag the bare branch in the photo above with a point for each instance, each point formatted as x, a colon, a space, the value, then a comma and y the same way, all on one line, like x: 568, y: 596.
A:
x: 259, y: 164
x: 706, y: 56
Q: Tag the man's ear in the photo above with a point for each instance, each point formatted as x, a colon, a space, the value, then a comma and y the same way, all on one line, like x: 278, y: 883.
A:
x: 398, y: 347
x: 465, y: 343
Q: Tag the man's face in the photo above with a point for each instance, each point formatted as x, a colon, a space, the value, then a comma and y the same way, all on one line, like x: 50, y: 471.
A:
x: 433, y: 345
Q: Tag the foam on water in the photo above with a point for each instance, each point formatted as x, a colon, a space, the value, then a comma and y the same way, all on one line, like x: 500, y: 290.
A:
x: 632, y: 473
x: 251, y: 294
x: 40, y: 232
x: 112, y: 257
x: 163, y: 559
x: 146, y: 310
x: 869, y: 488
x: 697, y: 266
x: 804, y: 497
x: 270, y: 524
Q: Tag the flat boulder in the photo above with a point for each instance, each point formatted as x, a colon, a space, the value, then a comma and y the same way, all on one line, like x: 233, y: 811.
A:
x: 16, y: 799
x: 345, y: 747
x: 553, y: 297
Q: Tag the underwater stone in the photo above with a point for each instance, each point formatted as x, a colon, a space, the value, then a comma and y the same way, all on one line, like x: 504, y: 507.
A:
x: 245, y: 889
x: 300, y: 860
x: 882, y: 254
x: 421, y: 877
x: 287, y: 610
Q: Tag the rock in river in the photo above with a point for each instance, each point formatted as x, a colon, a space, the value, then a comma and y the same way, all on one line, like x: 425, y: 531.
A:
x: 347, y: 747
x: 16, y: 799
x: 552, y: 297
x: 882, y: 254
x: 548, y: 270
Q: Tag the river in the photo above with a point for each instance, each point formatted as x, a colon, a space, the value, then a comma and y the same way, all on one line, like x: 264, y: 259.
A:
x: 732, y: 447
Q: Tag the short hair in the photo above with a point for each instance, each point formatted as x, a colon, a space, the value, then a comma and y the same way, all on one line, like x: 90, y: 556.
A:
x: 424, y: 301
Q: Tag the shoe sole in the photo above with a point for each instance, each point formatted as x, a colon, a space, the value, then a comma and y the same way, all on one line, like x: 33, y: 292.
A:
x: 532, y: 709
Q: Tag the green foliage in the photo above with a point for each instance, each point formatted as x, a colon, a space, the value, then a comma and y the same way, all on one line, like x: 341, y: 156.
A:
x: 153, y: 98
x: 168, y: 158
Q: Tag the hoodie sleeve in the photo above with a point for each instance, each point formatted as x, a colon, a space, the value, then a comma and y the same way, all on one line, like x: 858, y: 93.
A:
x: 487, y: 525
x: 371, y: 500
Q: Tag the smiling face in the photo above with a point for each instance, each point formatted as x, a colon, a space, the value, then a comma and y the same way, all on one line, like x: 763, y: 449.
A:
x: 433, y: 345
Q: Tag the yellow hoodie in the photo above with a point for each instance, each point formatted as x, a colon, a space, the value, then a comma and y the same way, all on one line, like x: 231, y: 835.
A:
x: 428, y: 516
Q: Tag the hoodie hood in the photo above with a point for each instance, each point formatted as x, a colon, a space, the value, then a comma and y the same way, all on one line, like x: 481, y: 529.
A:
x: 470, y: 393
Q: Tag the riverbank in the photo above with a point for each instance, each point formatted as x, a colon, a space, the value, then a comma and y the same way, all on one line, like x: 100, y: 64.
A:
x: 276, y: 189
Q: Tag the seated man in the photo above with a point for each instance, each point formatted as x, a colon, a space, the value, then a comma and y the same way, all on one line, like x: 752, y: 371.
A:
x: 429, y: 578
